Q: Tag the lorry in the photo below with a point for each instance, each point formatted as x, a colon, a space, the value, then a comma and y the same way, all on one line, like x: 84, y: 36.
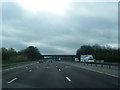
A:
x: 87, y: 58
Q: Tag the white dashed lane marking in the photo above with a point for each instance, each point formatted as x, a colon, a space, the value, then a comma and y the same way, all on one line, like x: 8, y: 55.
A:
x: 30, y: 70
x: 12, y: 80
x: 59, y: 70
x: 68, y: 79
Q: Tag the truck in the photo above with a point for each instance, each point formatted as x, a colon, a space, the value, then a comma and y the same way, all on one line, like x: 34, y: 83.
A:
x: 87, y: 58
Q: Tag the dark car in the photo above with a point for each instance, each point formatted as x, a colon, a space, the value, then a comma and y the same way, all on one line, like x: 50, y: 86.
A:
x: 41, y: 61
x: 50, y: 61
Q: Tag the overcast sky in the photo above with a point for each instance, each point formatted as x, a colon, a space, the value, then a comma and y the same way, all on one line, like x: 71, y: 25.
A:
x: 59, y: 27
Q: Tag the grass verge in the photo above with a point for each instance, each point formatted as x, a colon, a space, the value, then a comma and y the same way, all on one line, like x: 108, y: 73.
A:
x: 5, y: 64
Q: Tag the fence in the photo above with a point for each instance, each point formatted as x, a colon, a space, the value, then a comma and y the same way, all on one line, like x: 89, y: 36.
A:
x: 107, y: 65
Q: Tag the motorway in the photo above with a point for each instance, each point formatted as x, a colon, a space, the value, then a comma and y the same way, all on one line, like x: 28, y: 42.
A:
x: 54, y: 75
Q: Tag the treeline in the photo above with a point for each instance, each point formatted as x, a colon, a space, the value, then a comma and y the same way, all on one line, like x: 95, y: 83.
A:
x: 105, y: 53
x: 11, y: 55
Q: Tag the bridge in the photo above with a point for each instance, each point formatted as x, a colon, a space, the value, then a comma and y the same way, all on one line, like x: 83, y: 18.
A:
x: 62, y: 57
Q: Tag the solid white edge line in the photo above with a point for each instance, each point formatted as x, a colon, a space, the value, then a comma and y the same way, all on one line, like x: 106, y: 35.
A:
x: 105, y: 73
x: 12, y: 80
x: 18, y: 67
x: 68, y: 79
x: 102, y: 72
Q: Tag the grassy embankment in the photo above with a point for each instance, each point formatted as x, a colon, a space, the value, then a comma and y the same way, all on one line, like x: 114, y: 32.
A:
x: 11, y: 63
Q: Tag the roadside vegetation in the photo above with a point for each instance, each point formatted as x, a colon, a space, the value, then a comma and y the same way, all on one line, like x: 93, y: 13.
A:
x: 10, y: 56
x: 106, y: 53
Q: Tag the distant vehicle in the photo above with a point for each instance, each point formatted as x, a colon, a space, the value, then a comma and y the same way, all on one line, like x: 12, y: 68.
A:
x: 76, y: 59
x: 50, y: 61
x: 58, y: 59
x: 41, y: 61
x: 87, y: 58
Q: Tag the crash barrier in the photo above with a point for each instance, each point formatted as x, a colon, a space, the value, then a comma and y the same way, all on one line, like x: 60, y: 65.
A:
x: 106, y: 65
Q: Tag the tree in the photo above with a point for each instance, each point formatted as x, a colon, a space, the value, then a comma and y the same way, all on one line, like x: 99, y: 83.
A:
x: 32, y: 53
x: 106, y: 53
x: 5, y: 54
x: 86, y: 49
x: 12, y: 52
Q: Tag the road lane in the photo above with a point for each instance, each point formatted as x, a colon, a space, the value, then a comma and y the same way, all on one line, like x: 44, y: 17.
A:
x: 18, y: 72
x: 41, y: 77
x: 110, y: 72
x: 8, y: 74
x: 56, y: 75
x: 82, y: 78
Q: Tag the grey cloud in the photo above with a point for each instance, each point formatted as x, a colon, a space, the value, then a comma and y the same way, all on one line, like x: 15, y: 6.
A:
x: 11, y: 11
x: 84, y: 23
x: 12, y: 43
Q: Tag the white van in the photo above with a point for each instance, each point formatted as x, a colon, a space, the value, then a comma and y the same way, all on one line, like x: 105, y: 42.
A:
x: 76, y: 60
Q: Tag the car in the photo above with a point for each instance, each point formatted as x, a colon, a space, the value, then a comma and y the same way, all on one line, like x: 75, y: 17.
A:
x: 41, y: 61
x: 50, y: 61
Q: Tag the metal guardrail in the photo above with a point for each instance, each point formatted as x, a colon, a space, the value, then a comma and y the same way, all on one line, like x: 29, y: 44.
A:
x: 110, y: 65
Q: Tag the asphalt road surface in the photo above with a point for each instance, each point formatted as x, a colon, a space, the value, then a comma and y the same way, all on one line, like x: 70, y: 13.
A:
x: 55, y: 75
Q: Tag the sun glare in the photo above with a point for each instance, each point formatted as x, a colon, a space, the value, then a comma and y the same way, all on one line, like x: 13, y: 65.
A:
x: 54, y: 6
